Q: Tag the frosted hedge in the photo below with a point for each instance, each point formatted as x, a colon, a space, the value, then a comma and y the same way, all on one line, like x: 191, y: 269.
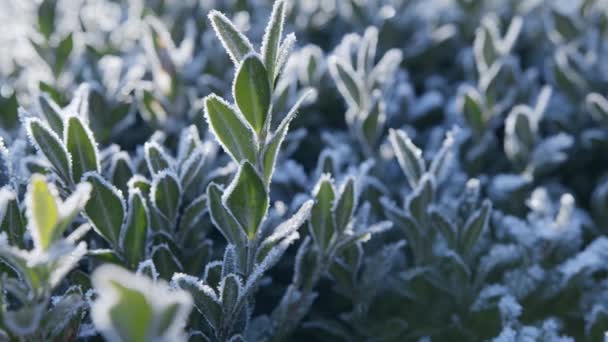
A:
x: 297, y: 170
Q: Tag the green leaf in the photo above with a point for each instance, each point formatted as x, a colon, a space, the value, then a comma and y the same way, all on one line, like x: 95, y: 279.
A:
x: 230, y: 293
x: 472, y: 109
x: 419, y: 201
x: 156, y: 158
x: 205, y: 299
x: 51, y: 146
x: 62, y: 53
x: 191, y: 170
x: 12, y: 222
x: 235, y: 43
x: 271, y: 150
x: 345, y: 205
x: 223, y: 219
x: 54, y: 93
x: 444, y: 227
x: 135, y: 229
x: 134, y: 308
x: 52, y: 112
x: 408, y: 155
x: 474, y: 226
x: 166, y: 195
x: 372, y: 125
x: 105, y: 208
x: 9, y: 107
x: 230, y: 129
x: 82, y: 147
x: 193, y: 213
x: 348, y: 82
x: 165, y: 261
x: 121, y: 171
x: 247, y: 199
x: 272, y: 39
x: 42, y: 211
x: 321, y: 221
x: 252, y: 91
x: 46, y: 17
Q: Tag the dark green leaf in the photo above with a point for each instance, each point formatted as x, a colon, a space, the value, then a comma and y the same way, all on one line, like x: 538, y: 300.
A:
x: 51, y: 146
x: 135, y: 229
x: 230, y: 129
x: 82, y: 147
x: 247, y: 199
x: 105, y: 208
x: 252, y: 91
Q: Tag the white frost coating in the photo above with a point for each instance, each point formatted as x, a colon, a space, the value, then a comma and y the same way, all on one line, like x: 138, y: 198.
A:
x: 137, y: 178
x: 147, y: 266
x: 592, y: 259
x: 384, y: 70
x: 410, y: 159
x: 510, y: 309
x: 367, y: 50
x: 158, y: 296
x: 292, y: 224
x: 79, y: 106
x: 284, y: 51
x: 180, y: 278
x: 65, y: 261
x: 78, y: 233
x: 273, y: 256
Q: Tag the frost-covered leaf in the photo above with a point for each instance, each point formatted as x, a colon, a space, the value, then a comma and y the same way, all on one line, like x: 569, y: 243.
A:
x: 247, y: 199
x: 345, y: 205
x: 81, y: 146
x: 230, y: 129
x: 156, y: 158
x: 166, y: 195
x: 132, y: 307
x: 49, y: 143
x: 408, y: 155
x: 135, y: 229
x: 273, y: 146
x: 204, y: 297
x: 52, y: 112
x: 321, y: 223
x: 105, y: 208
x: 475, y: 225
x: 223, y: 218
x: 252, y: 92
x: 272, y: 39
x: 235, y: 43
x: 348, y: 82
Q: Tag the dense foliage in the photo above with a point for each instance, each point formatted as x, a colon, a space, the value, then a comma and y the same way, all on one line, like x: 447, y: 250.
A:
x: 406, y: 170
